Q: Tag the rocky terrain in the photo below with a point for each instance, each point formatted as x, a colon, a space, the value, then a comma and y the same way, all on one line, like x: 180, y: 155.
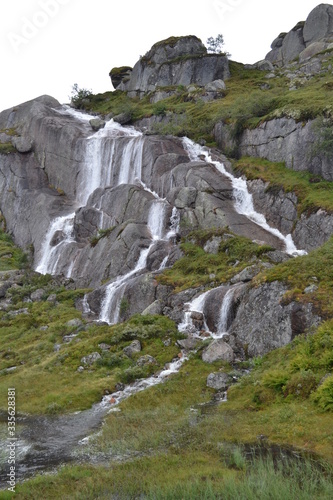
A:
x: 141, y: 246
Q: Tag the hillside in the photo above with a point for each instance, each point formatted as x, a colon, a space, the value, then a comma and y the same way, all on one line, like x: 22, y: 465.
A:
x: 166, y: 282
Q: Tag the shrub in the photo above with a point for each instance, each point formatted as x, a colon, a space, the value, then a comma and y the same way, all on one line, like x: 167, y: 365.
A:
x: 80, y: 96
x: 324, y: 394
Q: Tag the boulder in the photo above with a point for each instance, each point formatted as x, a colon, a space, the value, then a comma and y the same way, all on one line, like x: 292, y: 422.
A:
x: 37, y: 295
x: 97, y: 123
x: 119, y: 75
x: 188, y: 344
x: 215, y: 86
x: 133, y: 348
x: 218, y: 350
x: 172, y: 62
x: 293, y: 44
x: 264, y: 65
x: 123, y: 118
x: 146, y: 360
x: 218, y: 381
x: 319, y: 23
x: 90, y: 359
x: 263, y: 321
x: 22, y: 144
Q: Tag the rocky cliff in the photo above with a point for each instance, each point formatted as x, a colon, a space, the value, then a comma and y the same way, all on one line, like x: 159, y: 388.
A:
x: 172, y: 62
x: 306, y: 39
x: 107, y: 205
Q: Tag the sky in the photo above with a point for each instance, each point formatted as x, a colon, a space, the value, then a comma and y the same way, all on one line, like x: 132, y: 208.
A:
x: 48, y: 45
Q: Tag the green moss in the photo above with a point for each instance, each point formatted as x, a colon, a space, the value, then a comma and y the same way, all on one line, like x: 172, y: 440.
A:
x: 314, y: 268
x: 198, y: 268
x: 120, y: 71
x: 312, y: 192
x: 11, y: 257
x: 6, y: 148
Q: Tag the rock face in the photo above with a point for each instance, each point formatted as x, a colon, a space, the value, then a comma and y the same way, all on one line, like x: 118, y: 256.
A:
x: 118, y: 202
x: 308, y: 231
x: 175, y: 61
x: 281, y: 140
x: 305, y: 39
x: 264, y: 322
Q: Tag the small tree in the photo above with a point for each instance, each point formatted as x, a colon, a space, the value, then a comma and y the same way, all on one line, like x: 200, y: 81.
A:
x: 215, y: 45
x: 79, y: 95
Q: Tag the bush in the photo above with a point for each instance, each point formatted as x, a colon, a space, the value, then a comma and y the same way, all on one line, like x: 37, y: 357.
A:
x: 324, y: 394
x: 79, y: 96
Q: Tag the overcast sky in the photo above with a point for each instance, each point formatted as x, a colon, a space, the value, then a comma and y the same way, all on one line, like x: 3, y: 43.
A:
x: 48, y: 45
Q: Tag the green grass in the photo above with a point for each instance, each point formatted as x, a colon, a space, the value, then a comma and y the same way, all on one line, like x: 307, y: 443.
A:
x: 26, y: 344
x: 6, y: 148
x: 197, y: 267
x: 186, y: 476
x: 312, y: 191
x: 11, y: 257
x: 315, y: 268
x: 246, y: 103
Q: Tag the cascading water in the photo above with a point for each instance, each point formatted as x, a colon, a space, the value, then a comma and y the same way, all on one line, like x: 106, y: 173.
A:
x: 110, y: 307
x: 243, y: 199
x: 51, y: 251
x: 113, y: 156
x: 197, y: 306
x: 156, y: 219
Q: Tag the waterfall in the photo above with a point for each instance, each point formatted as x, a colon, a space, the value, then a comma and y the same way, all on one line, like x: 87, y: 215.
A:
x: 174, y: 223
x: 224, y: 316
x: 110, y: 307
x: 243, y: 199
x: 142, y: 384
x: 50, y: 250
x: 113, y: 156
x: 156, y: 219
x: 131, y: 164
x: 197, y: 305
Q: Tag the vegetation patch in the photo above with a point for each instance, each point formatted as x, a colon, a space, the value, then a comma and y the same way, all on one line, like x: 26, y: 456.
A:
x: 316, y: 269
x: 312, y: 192
x: 11, y: 257
x: 198, y: 267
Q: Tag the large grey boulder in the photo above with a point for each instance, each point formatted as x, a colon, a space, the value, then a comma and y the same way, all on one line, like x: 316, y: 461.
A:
x: 218, y: 350
x: 318, y: 27
x: 288, y: 140
x: 319, y: 23
x: 264, y: 322
x: 175, y: 61
x: 218, y: 381
x: 309, y: 230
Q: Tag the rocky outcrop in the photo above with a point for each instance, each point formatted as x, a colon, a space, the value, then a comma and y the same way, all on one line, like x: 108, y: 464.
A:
x: 306, y: 39
x: 265, y: 322
x: 280, y: 140
x: 309, y: 230
x: 172, y: 62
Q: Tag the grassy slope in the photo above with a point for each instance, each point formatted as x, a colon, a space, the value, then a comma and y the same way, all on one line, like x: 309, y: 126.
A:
x: 184, y: 451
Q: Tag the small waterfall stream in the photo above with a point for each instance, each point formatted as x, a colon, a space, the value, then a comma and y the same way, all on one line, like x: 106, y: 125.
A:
x: 110, y: 307
x: 243, y: 199
x: 197, y: 305
x: 51, y: 248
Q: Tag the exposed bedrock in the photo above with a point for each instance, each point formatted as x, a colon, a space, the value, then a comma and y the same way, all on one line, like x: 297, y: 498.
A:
x: 265, y: 322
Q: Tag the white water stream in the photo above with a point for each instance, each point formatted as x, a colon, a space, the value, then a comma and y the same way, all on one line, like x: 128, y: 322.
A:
x: 51, y: 252
x: 243, y: 199
x: 197, y: 305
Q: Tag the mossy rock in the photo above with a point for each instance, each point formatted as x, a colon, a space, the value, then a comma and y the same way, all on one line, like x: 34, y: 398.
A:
x: 120, y: 74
